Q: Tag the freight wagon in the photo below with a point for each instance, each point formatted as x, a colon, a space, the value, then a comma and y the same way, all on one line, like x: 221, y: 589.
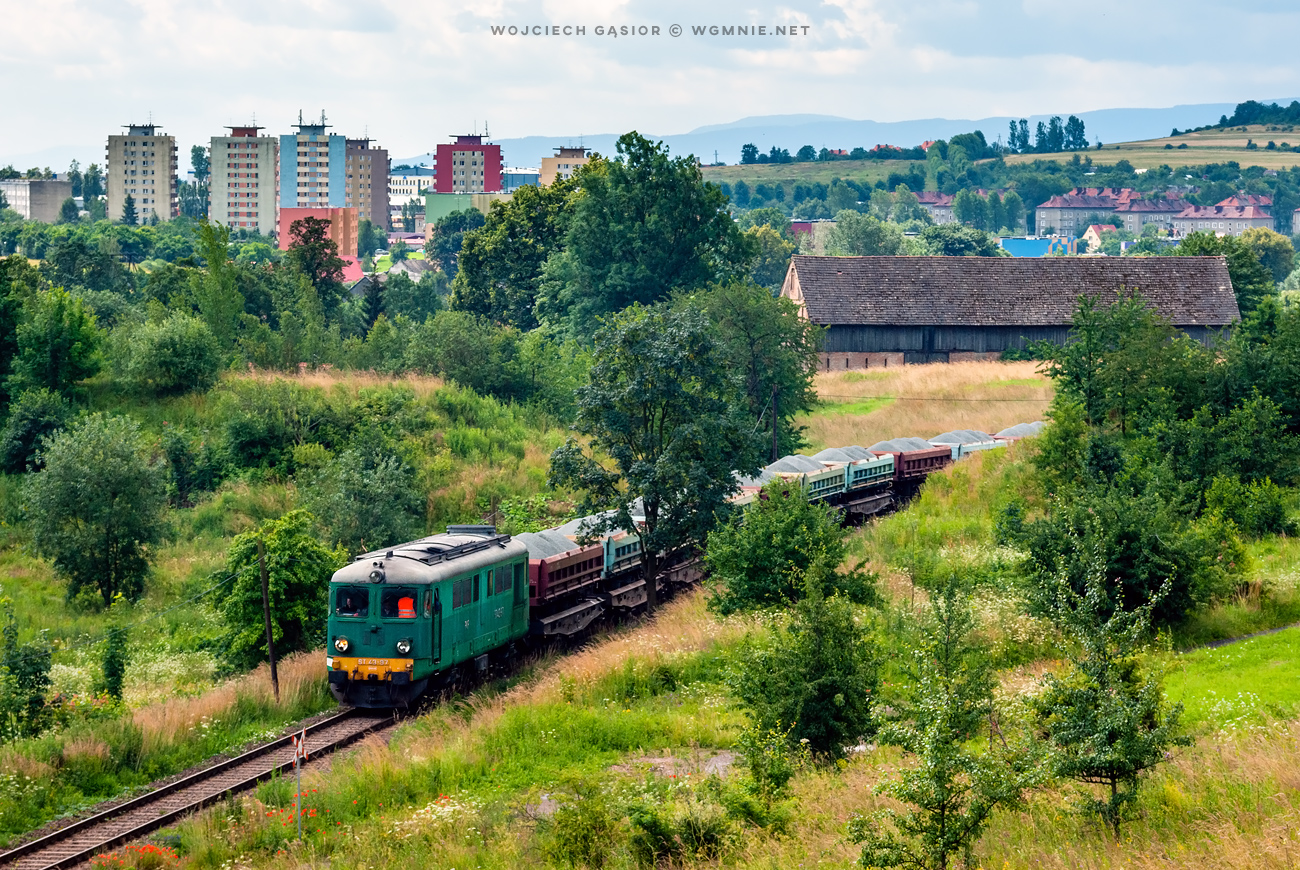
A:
x: 410, y: 618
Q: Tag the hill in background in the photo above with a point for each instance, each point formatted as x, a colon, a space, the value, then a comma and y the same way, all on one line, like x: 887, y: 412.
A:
x: 793, y: 131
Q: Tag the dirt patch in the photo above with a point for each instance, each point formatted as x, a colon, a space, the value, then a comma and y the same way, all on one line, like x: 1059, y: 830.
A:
x: 673, y: 767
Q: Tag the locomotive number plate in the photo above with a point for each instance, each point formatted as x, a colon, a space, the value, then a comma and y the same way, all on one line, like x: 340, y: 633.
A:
x: 372, y: 661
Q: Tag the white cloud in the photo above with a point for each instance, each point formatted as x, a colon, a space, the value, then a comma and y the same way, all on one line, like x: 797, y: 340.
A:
x: 413, y: 72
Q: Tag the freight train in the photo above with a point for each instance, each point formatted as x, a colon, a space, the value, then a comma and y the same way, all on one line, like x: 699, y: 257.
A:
x: 415, y: 616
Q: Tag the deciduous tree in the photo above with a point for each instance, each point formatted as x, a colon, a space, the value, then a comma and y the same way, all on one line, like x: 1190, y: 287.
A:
x: 298, y: 571
x: 817, y: 676
x: 314, y: 254
x: 97, y: 506
x: 500, y: 264
x: 645, y: 225
x: 771, y: 349
x: 861, y: 235
x: 1251, y: 281
x: 761, y: 555
x: 660, y: 404
x: 448, y: 237
x: 1105, y: 715
x: 58, y: 343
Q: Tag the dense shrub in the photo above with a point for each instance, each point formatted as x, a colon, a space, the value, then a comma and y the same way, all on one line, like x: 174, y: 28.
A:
x: 176, y: 355
x: 262, y: 421
x: 1257, y: 508
x: 33, y: 416
x: 58, y: 342
x: 815, y: 679
x: 367, y: 498
x: 1142, y: 533
x: 192, y: 462
x: 298, y: 570
x: 759, y: 558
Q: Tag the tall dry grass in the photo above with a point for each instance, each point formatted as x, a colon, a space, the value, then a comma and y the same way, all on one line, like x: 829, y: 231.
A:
x: 925, y: 400
x: 171, y: 721
x: 350, y: 381
x: 681, y: 627
x: 1233, y: 802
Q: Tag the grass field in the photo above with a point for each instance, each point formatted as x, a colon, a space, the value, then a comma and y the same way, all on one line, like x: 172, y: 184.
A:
x: 567, y: 754
x: 863, y: 407
x: 1244, y: 683
x: 1210, y: 146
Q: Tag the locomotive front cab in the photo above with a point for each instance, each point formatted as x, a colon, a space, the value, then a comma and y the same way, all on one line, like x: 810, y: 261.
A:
x: 376, y: 635
x: 406, y: 617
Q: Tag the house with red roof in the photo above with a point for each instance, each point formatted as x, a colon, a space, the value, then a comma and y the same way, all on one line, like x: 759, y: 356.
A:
x: 1093, y: 235
x: 1261, y: 200
x: 1222, y: 220
x: 939, y: 205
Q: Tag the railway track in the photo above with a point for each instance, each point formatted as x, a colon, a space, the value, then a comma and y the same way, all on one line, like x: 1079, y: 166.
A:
x: 78, y: 842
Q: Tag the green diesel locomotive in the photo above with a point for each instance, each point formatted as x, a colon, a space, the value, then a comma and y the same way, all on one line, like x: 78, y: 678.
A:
x: 409, y: 617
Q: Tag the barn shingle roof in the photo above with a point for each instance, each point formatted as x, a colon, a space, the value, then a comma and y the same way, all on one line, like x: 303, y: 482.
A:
x: 1004, y: 291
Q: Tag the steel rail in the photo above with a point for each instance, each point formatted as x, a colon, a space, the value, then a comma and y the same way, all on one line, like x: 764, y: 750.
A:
x: 236, y: 774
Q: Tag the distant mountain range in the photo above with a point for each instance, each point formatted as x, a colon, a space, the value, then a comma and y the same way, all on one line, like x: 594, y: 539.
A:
x: 794, y: 131
x: 784, y: 131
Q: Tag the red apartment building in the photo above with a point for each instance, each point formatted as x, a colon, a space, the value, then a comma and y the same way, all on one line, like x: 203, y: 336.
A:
x: 468, y: 165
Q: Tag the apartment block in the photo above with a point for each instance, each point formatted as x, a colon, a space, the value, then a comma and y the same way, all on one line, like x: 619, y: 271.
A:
x: 366, y: 187
x: 565, y: 162
x: 142, y: 164
x: 468, y: 165
x: 1222, y: 220
x: 515, y: 177
x: 245, y: 176
x: 36, y: 199
x: 313, y: 167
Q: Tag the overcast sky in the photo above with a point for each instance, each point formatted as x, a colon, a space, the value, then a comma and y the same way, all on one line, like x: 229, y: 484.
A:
x: 409, y: 73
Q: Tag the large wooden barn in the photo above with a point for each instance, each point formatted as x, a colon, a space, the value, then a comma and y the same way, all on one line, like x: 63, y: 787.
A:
x: 883, y: 311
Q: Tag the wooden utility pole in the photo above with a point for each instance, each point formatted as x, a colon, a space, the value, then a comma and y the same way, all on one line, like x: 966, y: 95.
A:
x: 775, y: 450
x: 266, y: 612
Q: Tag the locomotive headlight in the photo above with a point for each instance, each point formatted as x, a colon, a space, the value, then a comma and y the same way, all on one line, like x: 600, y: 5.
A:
x: 377, y: 576
x: 341, y: 644
x: 404, y: 646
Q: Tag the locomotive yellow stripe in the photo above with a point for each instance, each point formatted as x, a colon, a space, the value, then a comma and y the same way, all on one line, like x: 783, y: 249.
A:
x: 360, y: 668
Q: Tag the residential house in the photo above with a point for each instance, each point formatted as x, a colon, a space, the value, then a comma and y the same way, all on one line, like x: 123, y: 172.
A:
x: 939, y: 205
x: 1222, y: 220
x: 1092, y: 235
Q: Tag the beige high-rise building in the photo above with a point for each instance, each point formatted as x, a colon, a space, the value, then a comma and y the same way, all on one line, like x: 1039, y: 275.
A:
x: 245, y: 171
x: 142, y: 164
x: 563, y: 164
x: 366, y: 189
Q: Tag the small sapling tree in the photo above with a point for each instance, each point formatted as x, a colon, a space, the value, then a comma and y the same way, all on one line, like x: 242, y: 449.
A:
x: 953, y: 788
x: 817, y: 677
x: 298, y: 568
x: 1105, y: 717
x: 660, y: 404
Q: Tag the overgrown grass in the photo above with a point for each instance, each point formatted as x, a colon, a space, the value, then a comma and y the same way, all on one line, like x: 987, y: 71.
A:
x: 469, y: 786
x: 656, y: 689
x: 863, y: 407
x: 110, y: 750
